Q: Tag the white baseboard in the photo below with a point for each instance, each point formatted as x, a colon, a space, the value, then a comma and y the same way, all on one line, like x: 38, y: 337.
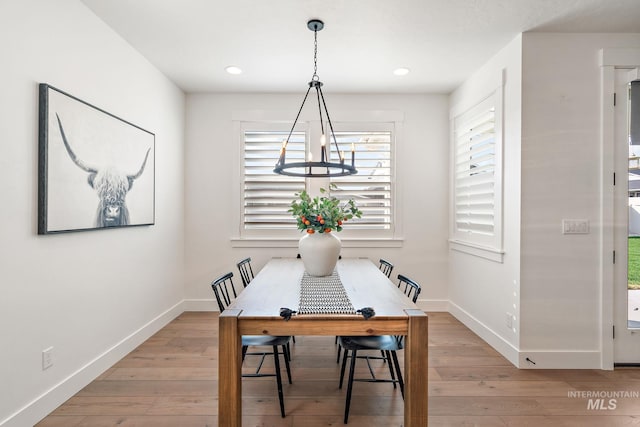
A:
x: 44, y: 404
x: 537, y: 359
x: 560, y: 360
x: 503, y: 347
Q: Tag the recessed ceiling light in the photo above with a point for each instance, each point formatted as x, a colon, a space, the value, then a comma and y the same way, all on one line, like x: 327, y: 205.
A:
x: 232, y: 69
x: 401, y: 71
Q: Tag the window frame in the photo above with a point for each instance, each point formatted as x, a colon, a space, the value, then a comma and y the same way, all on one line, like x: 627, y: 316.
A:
x: 374, y: 120
x: 482, y: 245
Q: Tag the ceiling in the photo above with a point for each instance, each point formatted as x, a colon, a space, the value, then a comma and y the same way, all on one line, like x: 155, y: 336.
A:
x: 441, y: 41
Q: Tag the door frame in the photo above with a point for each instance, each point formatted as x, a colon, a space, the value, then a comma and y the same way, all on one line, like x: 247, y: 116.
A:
x: 610, y: 59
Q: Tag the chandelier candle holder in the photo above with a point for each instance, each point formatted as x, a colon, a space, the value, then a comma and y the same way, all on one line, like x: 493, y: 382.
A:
x: 325, y: 167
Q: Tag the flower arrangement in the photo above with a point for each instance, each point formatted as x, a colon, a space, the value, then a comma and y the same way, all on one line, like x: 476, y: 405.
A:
x: 322, y: 214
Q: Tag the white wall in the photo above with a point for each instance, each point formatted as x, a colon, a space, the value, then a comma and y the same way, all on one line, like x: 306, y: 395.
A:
x: 213, y: 165
x: 482, y: 291
x: 561, y: 91
x: 94, y: 295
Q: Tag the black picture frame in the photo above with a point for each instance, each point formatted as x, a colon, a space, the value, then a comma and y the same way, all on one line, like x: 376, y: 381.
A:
x: 95, y: 170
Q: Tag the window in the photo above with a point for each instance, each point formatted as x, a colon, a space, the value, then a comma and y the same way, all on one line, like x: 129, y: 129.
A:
x: 477, y: 175
x: 266, y: 196
x: 371, y: 186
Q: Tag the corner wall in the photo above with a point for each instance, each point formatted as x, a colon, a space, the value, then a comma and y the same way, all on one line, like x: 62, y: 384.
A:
x: 482, y: 291
x: 561, y: 179
x: 93, y: 295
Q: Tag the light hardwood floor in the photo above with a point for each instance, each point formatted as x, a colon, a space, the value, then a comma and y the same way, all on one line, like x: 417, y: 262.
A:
x: 171, y: 381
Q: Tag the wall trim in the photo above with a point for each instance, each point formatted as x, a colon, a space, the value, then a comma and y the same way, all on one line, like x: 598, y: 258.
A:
x: 47, y: 402
x: 620, y: 57
x: 491, y: 254
x: 569, y: 359
x: 542, y: 359
x: 491, y: 337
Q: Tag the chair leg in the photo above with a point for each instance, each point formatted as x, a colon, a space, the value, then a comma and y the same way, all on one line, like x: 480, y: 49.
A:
x: 339, y: 350
x: 397, y: 364
x: 344, y: 364
x: 278, y: 379
x: 286, y: 363
x: 350, y: 384
x: 387, y: 358
x: 244, y: 351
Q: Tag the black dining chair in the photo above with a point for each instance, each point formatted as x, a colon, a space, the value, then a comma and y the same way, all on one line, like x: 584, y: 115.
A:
x: 223, y: 288
x: 246, y: 272
x: 386, y: 267
x: 387, y: 344
x: 410, y: 288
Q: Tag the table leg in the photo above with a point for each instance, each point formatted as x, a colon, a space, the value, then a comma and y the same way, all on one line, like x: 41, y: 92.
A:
x: 229, y: 370
x: 416, y: 367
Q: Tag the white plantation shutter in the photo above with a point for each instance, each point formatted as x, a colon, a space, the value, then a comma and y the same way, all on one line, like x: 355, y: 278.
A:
x: 477, y: 172
x: 370, y: 188
x: 267, y: 195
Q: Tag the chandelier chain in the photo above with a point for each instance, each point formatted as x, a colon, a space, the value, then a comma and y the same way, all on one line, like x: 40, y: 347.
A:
x: 315, y: 56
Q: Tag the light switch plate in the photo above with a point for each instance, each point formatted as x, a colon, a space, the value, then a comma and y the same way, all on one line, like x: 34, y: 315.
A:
x: 575, y: 226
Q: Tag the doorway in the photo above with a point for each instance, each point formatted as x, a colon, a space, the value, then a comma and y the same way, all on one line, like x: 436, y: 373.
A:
x: 626, y: 292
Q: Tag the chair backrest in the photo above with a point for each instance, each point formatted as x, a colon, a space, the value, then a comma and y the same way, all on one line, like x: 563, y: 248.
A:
x: 410, y: 288
x: 386, y: 267
x: 220, y: 288
x: 246, y: 272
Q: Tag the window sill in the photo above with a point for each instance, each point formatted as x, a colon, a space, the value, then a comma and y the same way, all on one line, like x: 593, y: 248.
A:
x: 262, y: 242
x: 485, y: 252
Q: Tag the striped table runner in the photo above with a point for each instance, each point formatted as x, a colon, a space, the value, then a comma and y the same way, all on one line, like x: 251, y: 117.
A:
x: 324, y: 295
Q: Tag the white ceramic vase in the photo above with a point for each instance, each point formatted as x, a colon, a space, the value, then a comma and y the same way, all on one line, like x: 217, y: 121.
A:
x: 319, y: 253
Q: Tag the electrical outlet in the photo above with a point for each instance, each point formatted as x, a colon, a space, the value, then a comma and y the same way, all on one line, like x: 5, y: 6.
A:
x: 47, y: 358
x: 509, y: 320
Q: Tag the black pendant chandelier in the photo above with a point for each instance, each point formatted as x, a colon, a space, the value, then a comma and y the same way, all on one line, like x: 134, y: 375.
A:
x: 325, y: 167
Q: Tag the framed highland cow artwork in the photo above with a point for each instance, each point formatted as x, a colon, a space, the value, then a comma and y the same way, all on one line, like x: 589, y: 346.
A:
x: 95, y: 170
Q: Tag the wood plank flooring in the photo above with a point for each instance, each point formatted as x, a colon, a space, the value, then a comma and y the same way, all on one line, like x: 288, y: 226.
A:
x: 171, y: 381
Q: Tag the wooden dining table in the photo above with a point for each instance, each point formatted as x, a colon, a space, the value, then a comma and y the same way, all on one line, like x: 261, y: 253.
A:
x: 256, y: 311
